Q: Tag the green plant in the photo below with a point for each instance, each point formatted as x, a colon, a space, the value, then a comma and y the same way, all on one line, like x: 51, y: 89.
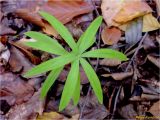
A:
x: 75, y: 57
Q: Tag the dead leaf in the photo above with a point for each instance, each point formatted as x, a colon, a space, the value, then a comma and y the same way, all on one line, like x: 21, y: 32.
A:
x: 134, y: 32
x: 34, y: 59
x: 16, y: 87
x: 65, y: 11
x: 118, y: 12
x: 150, y: 23
x: 119, y: 76
x: 158, y: 6
x: 110, y: 62
x: 110, y: 8
x: 127, y: 111
x: 110, y: 36
x: 48, y: 29
x: 154, y: 60
x: 50, y: 116
x: 131, y: 10
x: 28, y: 110
x: 155, y: 108
x: 93, y: 109
x: 18, y: 61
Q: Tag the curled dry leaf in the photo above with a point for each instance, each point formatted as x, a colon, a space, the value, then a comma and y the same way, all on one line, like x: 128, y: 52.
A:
x: 50, y: 116
x: 110, y: 36
x: 150, y: 23
x: 110, y: 62
x: 154, y: 60
x: 119, y: 76
x: 131, y: 10
x: 117, y: 12
x: 64, y: 11
x: 34, y: 59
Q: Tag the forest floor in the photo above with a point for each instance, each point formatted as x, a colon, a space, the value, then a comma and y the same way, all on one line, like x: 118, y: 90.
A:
x: 130, y: 88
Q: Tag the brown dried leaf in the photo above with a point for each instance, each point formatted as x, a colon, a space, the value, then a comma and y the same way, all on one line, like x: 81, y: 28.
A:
x: 119, y: 76
x: 93, y: 110
x: 28, y: 110
x: 50, y: 116
x: 110, y: 36
x: 110, y: 62
x: 18, y: 61
x: 150, y: 23
x: 16, y: 87
x: 34, y: 59
x: 65, y: 11
x: 154, y: 60
x: 155, y: 109
x: 117, y: 12
x: 131, y: 10
x: 127, y: 112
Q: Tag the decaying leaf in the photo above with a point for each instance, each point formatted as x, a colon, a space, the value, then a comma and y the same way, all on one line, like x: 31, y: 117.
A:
x: 119, y: 76
x: 117, y: 12
x: 110, y: 36
x: 34, y: 59
x: 4, y: 55
x: 64, y: 11
x: 127, y: 111
x: 154, y: 110
x: 158, y: 6
x: 150, y: 23
x: 19, y: 61
x: 110, y: 62
x: 110, y: 8
x: 93, y: 109
x: 16, y: 87
x: 50, y: 116
x: 28, y: 110
x: 132, y: 9
x: 155, y: 61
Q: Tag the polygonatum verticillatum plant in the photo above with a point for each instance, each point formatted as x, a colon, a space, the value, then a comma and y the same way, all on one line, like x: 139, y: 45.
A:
x: 76, y: 57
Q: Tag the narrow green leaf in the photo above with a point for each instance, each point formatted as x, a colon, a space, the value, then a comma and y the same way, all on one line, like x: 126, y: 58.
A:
x: 93, y: 79
x: 76, y: 94
x: 61, y: 29
x: 86, y: 40
x: 50, y: 65
x: 70, y: 85
x: 44, y: 43
x: 53, y: 75
x: 105, y: 53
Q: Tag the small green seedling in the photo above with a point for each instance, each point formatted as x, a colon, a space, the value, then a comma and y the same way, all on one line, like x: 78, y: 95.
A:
x: 76, y: 57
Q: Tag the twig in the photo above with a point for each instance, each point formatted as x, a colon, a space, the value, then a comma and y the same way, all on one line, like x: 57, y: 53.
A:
x: 96, y: 66
x: 116, y: 99
x: 139, y: 46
